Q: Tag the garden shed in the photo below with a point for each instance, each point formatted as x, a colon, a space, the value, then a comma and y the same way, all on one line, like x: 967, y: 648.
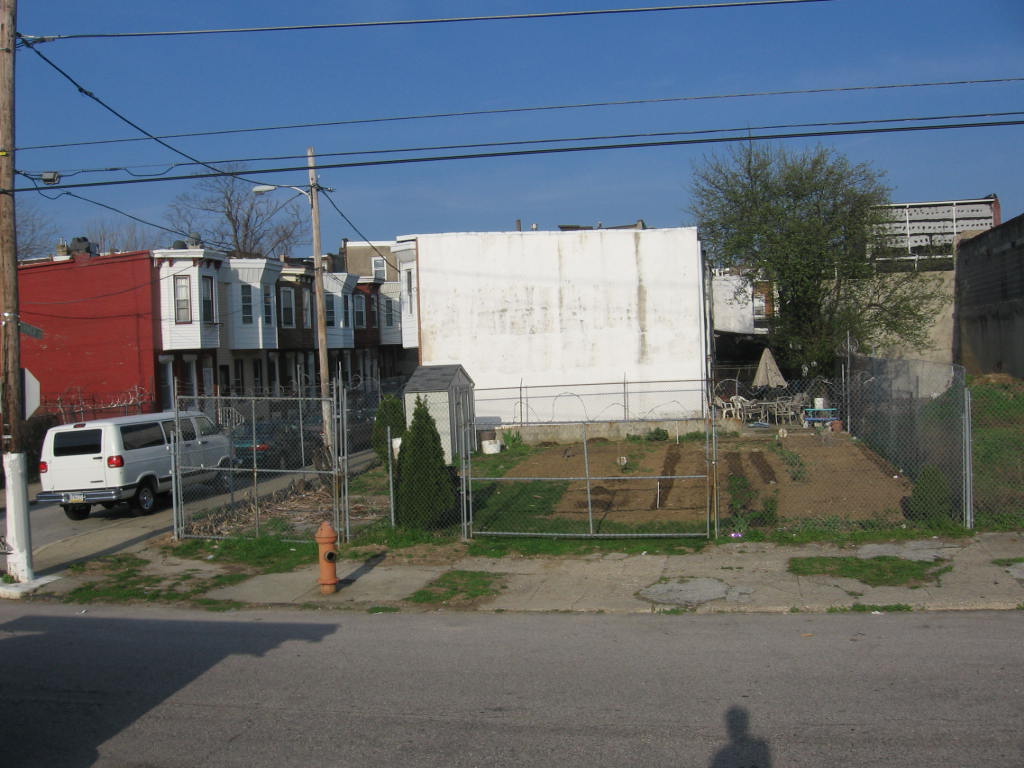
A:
x: 448, y: 392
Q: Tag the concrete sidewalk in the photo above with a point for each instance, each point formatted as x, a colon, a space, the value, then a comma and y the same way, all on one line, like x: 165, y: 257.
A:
x: 741, y: 577
x: 730, y: 577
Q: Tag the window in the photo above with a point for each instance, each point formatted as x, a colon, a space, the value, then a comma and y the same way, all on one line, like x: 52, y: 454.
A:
x: 374, y: 316
x: 389, y: 313
x: 78, y: 442
x: 408, y: 282
x: 246, y: 304
x: 360, y: 304
x: 206, y: 286
x: 346, y: 311
x: 147, y: 435
x: 287, y: 307
x: 188, y: 431
x: 182, y: 299
x: 307, y: 309
x: 257, y: 376
x: 379, y: 268
x: 206, y: 427
x: 329, y: 310
x: 268, y: 306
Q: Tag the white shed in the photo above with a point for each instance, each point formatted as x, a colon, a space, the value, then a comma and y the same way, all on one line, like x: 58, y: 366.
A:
x: 448, y: 392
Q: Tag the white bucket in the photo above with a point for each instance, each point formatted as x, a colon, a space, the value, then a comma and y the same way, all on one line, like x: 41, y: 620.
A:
x: 396, y: 445
x: 819, y: 402
x: 490, y: 446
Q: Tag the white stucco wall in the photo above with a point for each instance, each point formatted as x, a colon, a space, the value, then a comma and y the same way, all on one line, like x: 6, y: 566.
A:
x: 563, y: 308
x: 733, y: 304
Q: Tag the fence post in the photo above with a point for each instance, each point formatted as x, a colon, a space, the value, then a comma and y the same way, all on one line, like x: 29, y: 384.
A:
x: 968, y: 461
x: 391, y: 479
x: 586, y: 471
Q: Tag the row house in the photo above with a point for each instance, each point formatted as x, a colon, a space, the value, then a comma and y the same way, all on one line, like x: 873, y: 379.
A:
x: 126, y: 328
x: 377, y: 354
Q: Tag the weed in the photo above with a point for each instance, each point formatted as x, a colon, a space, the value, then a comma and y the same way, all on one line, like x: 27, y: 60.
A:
x: 383, y: 609
x: 656, y: 435
x: 8, y: 579
x: 458, y: 586
x: 678, y: 611
x: 265, y: 553
x: 219, y: 606
x: 875, y: 572
x: 793, y: 461
x: 795, y: 609
x: 530, y: 547
x: 889, y: 608
x: 1006, y: 562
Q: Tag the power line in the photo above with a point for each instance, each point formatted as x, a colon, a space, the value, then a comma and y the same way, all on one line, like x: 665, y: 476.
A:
x: 32, y: 39
x: 552, y: 151
x: 541, y: 108
x: 356, y: 230
x: 521, y: 142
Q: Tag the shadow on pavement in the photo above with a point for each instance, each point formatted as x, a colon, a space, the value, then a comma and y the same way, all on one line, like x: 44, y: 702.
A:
x: 70, y: 684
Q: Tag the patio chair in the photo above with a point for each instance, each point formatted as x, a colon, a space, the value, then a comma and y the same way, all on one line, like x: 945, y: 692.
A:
x: 728, y: 409
x: 748, y: 408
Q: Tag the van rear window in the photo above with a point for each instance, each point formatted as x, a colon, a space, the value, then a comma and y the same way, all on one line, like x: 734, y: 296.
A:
x: 144, y: 435
x: 78, y: 442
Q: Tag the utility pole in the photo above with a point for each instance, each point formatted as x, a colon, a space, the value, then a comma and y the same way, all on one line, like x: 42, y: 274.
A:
x: 321, y: 309
x: 19, y: 561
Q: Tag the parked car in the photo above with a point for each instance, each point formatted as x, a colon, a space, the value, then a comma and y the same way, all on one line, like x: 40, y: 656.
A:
x: 267, y: 445
x: 127, y: 459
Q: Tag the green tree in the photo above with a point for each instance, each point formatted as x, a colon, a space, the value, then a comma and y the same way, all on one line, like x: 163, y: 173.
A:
x: 809, y: 223
x: 389, y: 414
x: 425, y: 497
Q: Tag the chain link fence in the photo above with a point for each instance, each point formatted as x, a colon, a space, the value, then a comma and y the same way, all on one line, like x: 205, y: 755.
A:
x: 997, y: 437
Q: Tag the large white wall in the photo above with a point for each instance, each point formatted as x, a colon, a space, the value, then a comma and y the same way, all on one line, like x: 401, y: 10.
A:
x: 563, y: 308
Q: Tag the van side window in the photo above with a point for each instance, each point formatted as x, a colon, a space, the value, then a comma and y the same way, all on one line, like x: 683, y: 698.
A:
x: 206, y: 427
x: 188, y: 432
x: 141, y: 435
x: 78, y: 442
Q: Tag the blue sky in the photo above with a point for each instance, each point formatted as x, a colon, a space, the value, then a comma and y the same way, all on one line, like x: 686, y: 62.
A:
x: 203, y: 83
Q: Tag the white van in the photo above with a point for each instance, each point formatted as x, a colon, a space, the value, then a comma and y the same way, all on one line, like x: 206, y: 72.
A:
x: 126, y: 458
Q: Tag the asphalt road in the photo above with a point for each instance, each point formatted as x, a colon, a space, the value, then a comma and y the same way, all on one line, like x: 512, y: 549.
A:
x: 140, y: 686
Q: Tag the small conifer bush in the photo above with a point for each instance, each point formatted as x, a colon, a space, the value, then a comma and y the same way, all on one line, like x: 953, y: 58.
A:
x: 426, y: 497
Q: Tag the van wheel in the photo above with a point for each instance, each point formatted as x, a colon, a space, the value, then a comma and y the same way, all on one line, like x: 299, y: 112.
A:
x: 76, y: 511
x: 145, y: 499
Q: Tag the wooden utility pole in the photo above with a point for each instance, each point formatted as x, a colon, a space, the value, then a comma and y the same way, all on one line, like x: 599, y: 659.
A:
x: 321, y: 310
x: 12, y: 409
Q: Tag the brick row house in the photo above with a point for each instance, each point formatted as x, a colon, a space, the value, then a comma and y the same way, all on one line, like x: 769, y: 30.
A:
x: 122, y: 329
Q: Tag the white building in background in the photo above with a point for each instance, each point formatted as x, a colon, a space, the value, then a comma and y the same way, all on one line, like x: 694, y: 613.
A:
x: 929, y: 230
x: 562, y: 312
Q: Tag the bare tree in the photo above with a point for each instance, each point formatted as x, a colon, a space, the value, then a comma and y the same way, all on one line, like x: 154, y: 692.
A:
x: 225, y: 213
x: 37, y: 234
x: 119, y: 235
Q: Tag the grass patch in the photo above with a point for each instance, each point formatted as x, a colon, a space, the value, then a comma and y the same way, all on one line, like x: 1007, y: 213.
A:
x: 497, y: 464
x: 383, y: 609
x: 121, y: 579
x: 536, y: 547
x: 372, y: 482
x: 381, y: 533
x: 265, y: 554
x: 458, y: 586
x: 1006, y: 562
x: 885, y: 571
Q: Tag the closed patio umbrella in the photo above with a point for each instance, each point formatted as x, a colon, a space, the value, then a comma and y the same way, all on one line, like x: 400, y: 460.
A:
x: 768, y: 373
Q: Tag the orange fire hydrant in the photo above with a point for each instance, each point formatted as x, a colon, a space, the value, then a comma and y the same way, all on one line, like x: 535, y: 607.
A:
x: 326, y: 539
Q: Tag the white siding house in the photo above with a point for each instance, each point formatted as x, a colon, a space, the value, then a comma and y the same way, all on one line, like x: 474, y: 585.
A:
x: 559, y: 308
x: 251, y: 283
x: 190, y: 315
x: 338, y: 288
x: 390, y: 313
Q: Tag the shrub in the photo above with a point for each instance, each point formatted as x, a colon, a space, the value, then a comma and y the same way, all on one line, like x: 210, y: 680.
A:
x: 390, y: 414
x: 656, y: 435
x: 426, y: 497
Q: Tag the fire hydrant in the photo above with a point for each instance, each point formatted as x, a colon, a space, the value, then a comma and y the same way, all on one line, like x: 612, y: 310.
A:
x: 326, y: 538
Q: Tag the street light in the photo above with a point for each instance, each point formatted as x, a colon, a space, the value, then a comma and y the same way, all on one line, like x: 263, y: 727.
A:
x: 318, y: 283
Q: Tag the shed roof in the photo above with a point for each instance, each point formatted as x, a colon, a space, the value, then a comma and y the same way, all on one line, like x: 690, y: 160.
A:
x: 435, y: 378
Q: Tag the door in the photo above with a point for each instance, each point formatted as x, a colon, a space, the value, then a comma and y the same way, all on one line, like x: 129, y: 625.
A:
x: 77, y: 462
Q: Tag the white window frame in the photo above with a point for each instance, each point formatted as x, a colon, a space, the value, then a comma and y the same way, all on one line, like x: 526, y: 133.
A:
x: 380, y: 268
x: 359, y: 311
x: 287, y: 307
x: 246, y: 301
x: 268, y: 306
x: 182, y: 299
x: 346, y: 311
x: 374, y: 317
x: 389, y: 313
x: 307, y: 309
x: 329, y: 314
x: 208, y: 298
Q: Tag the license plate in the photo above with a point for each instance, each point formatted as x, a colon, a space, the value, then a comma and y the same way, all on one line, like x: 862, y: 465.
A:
x: 74, y: 498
